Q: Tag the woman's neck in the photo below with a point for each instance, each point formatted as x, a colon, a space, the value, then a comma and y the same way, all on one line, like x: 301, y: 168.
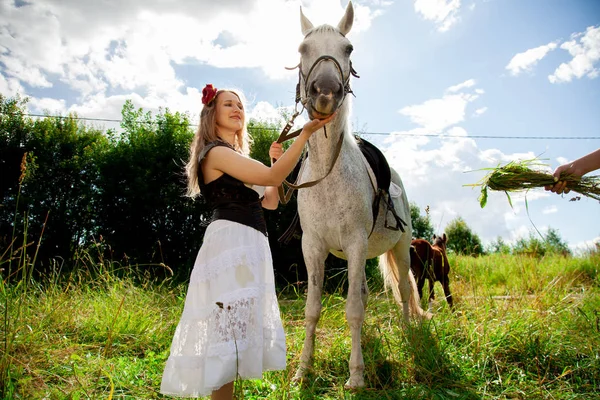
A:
x: 226, y: 136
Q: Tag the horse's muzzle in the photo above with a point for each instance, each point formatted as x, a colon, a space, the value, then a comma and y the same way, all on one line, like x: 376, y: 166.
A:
x: 321, y: 106
x: 314, y: 114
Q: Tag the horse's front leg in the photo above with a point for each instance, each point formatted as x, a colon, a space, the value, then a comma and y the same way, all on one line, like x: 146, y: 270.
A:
x: 446, y: 286
x: 431, y: 292
x: 420, y: 284
x: 355, y: 308
x: 315, y: 253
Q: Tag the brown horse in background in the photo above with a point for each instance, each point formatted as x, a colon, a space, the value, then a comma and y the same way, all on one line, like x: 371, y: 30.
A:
x: 429, y: 262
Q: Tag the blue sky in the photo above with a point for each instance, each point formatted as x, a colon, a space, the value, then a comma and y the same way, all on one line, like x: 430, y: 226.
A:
x: 454, y: 68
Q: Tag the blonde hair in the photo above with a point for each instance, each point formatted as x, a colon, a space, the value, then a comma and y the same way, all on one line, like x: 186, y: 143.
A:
x: 207, y: 133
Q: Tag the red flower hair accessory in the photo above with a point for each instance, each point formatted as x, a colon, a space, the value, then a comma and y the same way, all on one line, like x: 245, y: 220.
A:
x: 208, y: 94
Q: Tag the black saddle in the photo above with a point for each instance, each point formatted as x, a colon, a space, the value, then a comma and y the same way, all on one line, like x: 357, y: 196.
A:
x: 383, y: 175
x: 378, y: 163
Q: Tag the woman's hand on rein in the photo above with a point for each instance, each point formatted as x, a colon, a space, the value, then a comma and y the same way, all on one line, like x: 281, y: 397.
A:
x: 275, y: 151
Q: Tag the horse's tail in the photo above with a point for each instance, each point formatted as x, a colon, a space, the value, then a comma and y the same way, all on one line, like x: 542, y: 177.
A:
x: 391, y: 275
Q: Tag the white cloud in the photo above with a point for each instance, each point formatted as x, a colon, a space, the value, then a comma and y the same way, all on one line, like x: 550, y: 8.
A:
x: 521, y: 232
x: 457, y: 131
x: 443, y: 12
x: 528, y: 59
x: 10, y: 86
x: 52, y: 106
x: 435, y: 115
x: 586, y: 246
x: 466, y: 84
x: 495, y: 156
x: 550, y: 210
x: 18, y: 69
x: 265, y: 112
x: 585, y: 49
x: 480, y: 111
x: 134, y: 45
x: 519, y: 198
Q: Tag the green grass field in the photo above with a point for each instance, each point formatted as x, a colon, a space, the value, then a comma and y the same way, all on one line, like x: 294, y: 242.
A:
x: 523, y: 328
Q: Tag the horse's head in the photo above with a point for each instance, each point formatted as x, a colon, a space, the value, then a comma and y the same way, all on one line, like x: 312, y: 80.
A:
x: 325, y: 65
x: 440, y: 241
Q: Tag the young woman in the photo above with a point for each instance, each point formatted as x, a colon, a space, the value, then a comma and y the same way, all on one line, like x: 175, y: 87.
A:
x: 230, y: 326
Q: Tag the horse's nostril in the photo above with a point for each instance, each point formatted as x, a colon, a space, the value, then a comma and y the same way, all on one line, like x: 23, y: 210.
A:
x: 313, y: 88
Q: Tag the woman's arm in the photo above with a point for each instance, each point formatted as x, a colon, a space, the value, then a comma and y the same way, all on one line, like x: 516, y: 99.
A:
x: 224, y: 160
x: 270, y: 200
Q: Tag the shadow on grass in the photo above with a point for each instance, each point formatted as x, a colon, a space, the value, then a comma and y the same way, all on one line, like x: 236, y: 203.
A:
x: 425, y: 371
x: 433, y: 370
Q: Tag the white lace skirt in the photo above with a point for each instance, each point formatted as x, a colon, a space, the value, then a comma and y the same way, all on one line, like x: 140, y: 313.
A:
x: 230, y: 323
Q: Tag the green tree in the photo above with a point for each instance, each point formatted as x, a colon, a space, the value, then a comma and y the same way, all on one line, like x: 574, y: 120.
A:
x: 461, y: 239
x: 421, y: 224
x: 262, y: 135
x: 532, y: 246
x: 499, y: 246
x: 142, y: 211
x: 61, y: 154
x: 555, y: 243
x: 537, y: 246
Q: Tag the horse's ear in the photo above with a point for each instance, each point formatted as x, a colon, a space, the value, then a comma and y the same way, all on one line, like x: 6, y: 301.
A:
x: 434, y: 236
x: 445, y: 237
x: 346, y: 22
x: 305, y: 23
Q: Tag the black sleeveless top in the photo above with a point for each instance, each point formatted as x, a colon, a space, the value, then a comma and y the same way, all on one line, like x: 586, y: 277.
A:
x: 229, y: 198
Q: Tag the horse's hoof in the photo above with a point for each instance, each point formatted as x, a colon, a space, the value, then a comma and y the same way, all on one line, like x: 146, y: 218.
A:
x: 427, y: 316
x: 355, y: 383
x: 299, y: 376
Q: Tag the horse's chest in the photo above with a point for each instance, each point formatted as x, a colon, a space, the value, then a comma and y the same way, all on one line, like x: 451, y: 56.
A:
x: 340, y: 198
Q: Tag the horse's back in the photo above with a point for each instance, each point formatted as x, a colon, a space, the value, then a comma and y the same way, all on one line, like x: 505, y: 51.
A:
x: 422, y: 248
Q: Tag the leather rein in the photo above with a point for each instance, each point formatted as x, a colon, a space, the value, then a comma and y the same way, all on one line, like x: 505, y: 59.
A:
x: 285, y: 196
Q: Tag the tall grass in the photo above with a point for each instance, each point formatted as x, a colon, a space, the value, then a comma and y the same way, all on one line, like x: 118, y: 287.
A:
x: 66, y: 335
x: 82, y: 338
x: 522, y: 328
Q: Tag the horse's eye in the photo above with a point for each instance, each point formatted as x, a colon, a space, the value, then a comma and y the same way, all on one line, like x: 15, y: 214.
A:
x: 302, y: 48
x: 349, y: 49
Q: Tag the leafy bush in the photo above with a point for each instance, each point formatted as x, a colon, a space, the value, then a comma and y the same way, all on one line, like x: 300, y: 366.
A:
x: 421, y: 224
x: 461, y: 239
x: 537, y: 246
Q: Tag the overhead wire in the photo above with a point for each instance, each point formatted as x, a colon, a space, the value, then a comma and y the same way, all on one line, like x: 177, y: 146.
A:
x: 399, y: 134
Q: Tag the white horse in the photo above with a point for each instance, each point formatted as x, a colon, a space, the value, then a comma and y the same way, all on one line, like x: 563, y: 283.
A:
x: 336, y: 214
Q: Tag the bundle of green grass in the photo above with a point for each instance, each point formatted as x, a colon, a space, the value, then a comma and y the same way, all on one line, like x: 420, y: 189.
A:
x: 520, y: 175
